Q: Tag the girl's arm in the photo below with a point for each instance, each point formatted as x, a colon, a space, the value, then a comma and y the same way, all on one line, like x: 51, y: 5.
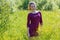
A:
x: 28, y: 20
x: 28, y: 23
x: 41, y: 22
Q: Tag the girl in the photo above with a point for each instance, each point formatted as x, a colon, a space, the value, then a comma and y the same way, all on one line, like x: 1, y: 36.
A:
x: 33, y: 20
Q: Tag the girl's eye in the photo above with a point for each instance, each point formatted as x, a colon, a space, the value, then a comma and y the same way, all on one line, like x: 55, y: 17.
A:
x: 32, y: 6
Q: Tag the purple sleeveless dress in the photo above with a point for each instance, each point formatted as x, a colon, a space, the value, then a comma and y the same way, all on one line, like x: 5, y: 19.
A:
x: 33, y: 21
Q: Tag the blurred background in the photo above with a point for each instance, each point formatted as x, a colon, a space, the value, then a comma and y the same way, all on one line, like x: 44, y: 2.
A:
x: 13, y: 19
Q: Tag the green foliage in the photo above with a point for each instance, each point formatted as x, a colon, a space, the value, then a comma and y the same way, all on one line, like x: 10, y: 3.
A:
x: 4, y: 15
x: 25, y: 4
x: 58, y: 3
x: 18, y: 29
x: 41, y: 4
x: 17, y: 22
x: 48, y: 6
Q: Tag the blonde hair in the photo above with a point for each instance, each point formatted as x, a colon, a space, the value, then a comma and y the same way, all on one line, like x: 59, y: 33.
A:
x: 32, y: 2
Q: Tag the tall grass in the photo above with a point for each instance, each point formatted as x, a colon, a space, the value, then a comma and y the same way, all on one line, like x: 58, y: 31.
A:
x: 18, y: 29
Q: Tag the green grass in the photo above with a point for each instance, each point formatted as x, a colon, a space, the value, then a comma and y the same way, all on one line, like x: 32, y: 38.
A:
x: 18, y: 29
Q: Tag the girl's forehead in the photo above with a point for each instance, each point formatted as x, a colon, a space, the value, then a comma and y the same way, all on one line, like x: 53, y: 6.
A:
x: 32, y: 5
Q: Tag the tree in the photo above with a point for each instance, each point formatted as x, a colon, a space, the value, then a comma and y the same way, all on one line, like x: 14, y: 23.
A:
x: 41, y: 4
x: 48, y: 6
x: 25, y: 4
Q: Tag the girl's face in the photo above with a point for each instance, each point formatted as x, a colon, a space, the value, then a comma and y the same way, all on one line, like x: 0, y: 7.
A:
x: 32, y: 7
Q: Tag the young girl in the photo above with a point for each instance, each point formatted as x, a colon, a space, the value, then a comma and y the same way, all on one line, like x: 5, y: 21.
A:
x: 33, y: 20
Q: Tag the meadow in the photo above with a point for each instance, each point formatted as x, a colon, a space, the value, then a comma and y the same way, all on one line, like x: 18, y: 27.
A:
x: 17, y: 29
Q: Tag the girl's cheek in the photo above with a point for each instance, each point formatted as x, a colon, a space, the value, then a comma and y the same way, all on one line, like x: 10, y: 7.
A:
x: 33, y: 8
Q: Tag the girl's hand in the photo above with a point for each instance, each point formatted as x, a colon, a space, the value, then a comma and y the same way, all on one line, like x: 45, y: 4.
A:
x: 40, y: 28
x: 28, y: 28
x: 28, y: 31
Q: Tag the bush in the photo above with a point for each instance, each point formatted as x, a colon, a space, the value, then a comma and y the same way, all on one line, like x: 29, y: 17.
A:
x: 48, y: 7
x: 25, y: 4
x: 59, y: 5
x: 4, y: 15
x: 41, y: 4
